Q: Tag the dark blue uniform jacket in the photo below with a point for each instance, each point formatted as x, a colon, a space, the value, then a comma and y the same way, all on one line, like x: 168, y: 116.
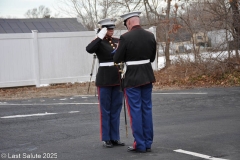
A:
x: 137, y: 44
x: 107, y: 75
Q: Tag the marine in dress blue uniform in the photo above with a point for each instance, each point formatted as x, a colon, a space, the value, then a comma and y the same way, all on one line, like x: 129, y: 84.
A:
x: 108, y: 83
x: 137, y: 48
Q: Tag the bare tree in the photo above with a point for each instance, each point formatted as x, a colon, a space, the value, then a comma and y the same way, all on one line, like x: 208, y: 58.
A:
x: 236, y: 24
x: 154, y: 17
x: 215, y: 17
x: 168, y: 61
x: 40, y: 12
x: 89, y: 12
x: 225, y: 15
x: 191, y: 20
x: 166, y: 19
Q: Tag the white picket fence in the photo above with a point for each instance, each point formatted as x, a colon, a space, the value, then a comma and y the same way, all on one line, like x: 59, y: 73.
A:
x: 46, y: 58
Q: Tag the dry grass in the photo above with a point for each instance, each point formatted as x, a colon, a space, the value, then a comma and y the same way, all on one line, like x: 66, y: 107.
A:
x: 207, y: 74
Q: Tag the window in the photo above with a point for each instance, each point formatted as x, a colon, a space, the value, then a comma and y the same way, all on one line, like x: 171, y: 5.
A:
x: 199, y: 37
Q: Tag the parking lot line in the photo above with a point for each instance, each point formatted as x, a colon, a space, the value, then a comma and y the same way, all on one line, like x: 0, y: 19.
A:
x: 198, y: 155
x: 39, y: 104
x: 182, y: 93
x: 36, y: 114
x: 29, y: 115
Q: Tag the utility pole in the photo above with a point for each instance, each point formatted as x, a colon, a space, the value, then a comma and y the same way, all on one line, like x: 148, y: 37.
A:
x: 236, y: 25
x: 167, y: 55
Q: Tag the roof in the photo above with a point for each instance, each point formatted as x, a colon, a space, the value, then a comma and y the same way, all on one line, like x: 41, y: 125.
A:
x: 41, y: 24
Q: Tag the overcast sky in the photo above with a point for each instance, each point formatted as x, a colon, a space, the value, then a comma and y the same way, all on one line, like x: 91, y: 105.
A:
x: 17, y: 8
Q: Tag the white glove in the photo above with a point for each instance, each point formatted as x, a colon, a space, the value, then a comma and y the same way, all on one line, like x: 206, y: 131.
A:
x: 102, y: 33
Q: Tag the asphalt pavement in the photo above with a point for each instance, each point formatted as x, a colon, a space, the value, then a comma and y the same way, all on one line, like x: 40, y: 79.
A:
x: 192, y: 124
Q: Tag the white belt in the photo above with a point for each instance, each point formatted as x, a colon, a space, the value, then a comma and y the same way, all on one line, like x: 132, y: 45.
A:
x: 106, y: 64
x: 138, y: 62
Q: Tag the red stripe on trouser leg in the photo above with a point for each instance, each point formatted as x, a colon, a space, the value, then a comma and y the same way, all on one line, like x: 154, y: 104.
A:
x: 128, y: 108
x: 134, y: 145
x: 130, y: 117
x: 100, y: 113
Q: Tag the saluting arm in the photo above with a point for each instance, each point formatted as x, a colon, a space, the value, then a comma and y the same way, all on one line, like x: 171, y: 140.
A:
x: 93, y: 46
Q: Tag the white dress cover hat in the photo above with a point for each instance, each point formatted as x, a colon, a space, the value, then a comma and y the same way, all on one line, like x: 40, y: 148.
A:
x: 108, y: 23
x: 129, y: 15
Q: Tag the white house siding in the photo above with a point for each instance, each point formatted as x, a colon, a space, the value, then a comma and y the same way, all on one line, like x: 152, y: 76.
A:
x: 218, y: 38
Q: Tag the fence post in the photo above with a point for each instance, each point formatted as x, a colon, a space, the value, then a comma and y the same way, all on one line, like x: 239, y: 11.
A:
x: 36, y: 67
x: 155, y: 63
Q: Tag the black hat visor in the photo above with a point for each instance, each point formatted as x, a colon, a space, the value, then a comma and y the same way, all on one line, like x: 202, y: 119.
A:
x: 109, y: 26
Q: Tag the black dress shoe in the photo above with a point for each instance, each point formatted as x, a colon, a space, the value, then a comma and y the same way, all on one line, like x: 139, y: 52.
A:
x: 131, y: 149
x: 117, y: 143
x: 107, y: 144
x: 148, y: 150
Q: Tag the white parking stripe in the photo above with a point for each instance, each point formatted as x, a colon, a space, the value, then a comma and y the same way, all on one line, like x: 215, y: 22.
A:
x: 32, y: 115
x: 29, y: 115
x: 198, y: 155
x: 181, y: 93
x: 73, y: 111
x: 40, y: 104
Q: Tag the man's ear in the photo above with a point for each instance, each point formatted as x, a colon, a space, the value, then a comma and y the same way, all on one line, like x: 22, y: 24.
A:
x: 128, y: 22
